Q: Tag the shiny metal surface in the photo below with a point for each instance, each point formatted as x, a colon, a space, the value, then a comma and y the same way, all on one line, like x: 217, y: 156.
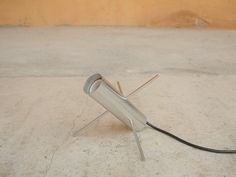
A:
x: 100, y: 90
x: 142, y: 157
x: 105, y: 112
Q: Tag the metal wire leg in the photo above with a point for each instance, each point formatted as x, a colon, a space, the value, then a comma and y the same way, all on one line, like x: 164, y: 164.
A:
x: 142, y: 157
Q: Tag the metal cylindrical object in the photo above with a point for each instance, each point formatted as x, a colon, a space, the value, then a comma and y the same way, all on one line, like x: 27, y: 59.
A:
x: 100, y: 90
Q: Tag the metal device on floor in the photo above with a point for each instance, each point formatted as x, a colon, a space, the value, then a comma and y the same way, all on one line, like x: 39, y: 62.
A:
x: 116, y: 103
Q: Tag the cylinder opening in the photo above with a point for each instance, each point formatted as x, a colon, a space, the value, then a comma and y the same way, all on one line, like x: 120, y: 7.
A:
x: 90, y: 81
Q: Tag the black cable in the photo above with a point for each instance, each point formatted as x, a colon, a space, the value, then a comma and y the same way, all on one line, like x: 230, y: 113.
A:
x: 190, y: 144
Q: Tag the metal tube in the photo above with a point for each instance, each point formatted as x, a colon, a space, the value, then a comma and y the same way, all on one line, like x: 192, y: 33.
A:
x: 103, y: 92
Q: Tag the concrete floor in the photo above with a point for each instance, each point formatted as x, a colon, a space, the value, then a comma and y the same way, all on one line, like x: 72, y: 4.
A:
x: 43, y: 107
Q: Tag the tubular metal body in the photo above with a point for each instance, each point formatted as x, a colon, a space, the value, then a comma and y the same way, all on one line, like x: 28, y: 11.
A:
x: 100, y: 90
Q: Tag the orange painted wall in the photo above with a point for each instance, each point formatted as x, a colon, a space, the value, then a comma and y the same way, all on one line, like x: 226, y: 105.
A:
x: 180, y: 13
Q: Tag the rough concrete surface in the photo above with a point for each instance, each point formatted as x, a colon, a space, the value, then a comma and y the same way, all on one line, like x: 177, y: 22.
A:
x: 43, y: 107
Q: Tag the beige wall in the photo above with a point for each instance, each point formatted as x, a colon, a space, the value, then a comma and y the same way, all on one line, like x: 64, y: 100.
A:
x: 212, y: 13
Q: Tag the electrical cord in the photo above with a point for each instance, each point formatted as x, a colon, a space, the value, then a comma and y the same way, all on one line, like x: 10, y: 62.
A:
x: 191, y: 144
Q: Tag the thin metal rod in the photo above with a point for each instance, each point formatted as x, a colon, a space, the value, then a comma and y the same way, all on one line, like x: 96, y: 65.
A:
x: 142, y: 157
x: 90, y: 123
x: 105, y: 112
x: 144, y: 85
x: 119, y: 87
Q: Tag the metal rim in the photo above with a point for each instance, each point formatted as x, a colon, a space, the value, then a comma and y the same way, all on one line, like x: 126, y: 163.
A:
x: 90, y: 81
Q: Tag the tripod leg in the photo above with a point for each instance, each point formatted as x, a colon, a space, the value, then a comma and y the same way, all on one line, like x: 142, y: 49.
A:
x: 105, y: 112
x: 142, y: 157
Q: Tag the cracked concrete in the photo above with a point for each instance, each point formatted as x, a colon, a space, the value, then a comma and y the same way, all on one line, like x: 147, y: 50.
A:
x: 69, y: 134
x: 43, y: 107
